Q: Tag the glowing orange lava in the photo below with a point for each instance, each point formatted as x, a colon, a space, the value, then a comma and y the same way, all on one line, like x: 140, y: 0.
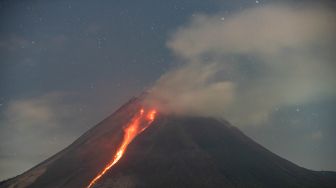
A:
x: 137, y: 124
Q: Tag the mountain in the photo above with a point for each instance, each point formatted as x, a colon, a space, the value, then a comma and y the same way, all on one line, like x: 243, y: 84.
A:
x: 174, y: 151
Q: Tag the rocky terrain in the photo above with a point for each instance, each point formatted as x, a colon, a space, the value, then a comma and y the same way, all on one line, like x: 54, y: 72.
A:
x: 174, y: 151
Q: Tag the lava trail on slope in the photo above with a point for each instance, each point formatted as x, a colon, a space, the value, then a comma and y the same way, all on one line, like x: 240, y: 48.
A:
x: 201, y: 152
x: 138, y: 123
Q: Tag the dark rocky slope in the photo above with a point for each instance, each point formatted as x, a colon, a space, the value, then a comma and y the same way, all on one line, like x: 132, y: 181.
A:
x: 173, y: 152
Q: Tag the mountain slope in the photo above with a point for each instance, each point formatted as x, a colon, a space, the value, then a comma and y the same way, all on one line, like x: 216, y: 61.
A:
x: 203, y: 152
x: 173, y: 152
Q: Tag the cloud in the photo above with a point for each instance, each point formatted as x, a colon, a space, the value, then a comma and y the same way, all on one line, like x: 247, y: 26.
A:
x: 265, y: 31
x: 317, y: 135
x: 35, y: 128
x: 243, y: 67
x: 33, y: 112
x: 13, y: 43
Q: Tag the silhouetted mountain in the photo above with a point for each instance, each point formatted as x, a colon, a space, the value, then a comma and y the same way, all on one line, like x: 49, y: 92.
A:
x: 174, y: 151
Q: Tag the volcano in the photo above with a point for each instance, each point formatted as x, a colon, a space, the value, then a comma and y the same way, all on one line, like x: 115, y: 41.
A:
x: 173, y: 151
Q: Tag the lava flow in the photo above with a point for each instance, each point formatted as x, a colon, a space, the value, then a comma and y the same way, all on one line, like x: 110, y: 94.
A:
x: 137, y: 124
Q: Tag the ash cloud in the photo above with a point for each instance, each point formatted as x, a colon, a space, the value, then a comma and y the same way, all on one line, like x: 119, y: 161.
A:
x: 34, y: 128
x: 243, y: 66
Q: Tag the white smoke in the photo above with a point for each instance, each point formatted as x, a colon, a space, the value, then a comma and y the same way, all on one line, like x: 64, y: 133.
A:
x: 246, y: 65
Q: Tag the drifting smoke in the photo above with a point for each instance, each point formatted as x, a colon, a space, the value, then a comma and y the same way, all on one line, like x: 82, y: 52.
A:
x: 245, y: 65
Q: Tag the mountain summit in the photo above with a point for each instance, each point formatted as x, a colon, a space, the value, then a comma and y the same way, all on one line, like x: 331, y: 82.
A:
x: 174, y: 151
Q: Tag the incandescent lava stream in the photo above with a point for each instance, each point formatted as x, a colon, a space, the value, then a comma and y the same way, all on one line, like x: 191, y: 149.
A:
x: 138, y: 123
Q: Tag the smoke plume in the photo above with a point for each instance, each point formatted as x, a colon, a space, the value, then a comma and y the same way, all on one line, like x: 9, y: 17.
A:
x: 243, y: 66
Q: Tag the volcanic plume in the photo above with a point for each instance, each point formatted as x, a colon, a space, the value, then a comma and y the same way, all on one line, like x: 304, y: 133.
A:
x: 136, y: 147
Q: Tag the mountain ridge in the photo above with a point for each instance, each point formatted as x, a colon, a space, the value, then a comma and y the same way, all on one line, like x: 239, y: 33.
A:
x: 175, y: 151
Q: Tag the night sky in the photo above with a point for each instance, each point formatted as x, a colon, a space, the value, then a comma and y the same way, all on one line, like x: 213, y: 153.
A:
x: 67, y: 64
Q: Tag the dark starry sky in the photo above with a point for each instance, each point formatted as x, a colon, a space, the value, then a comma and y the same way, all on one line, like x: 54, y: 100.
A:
x: 67, y: 64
